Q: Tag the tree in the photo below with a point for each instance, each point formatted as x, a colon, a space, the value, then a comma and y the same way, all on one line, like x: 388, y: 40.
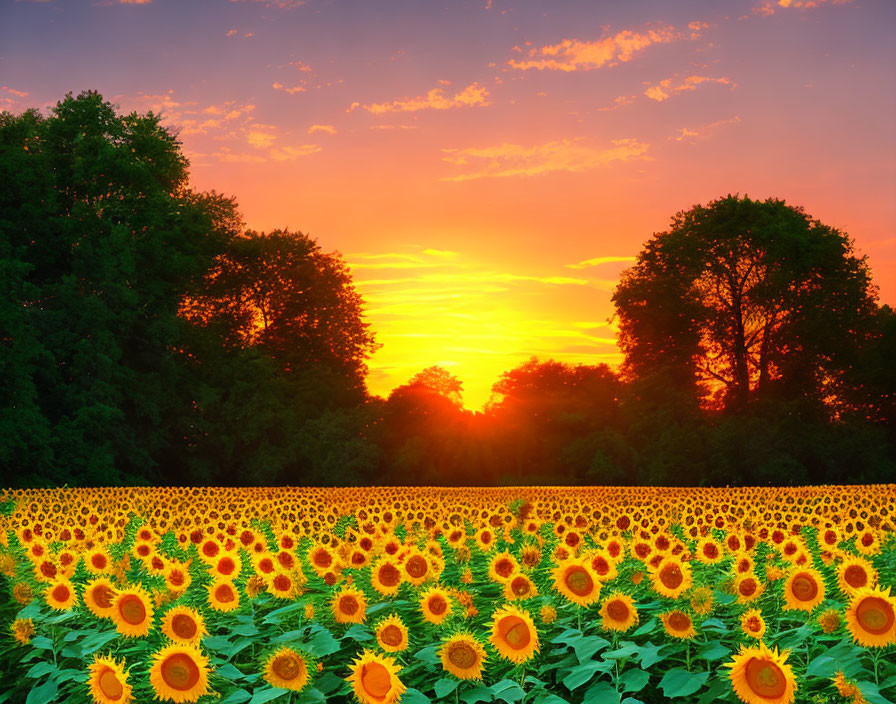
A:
x: 100, y: 237
x: 741, y: 299
x: 280, y: 293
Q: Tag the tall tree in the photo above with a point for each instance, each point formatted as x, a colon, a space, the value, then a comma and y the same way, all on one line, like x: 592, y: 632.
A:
x: 745, y: 298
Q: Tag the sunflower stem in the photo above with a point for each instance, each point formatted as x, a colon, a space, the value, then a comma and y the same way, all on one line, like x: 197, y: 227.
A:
x: 687, y: 657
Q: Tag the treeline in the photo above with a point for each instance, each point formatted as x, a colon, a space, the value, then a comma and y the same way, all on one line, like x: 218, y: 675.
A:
x: 146, y: 337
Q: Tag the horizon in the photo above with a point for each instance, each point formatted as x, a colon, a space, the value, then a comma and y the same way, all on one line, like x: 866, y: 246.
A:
x: 487, y: 188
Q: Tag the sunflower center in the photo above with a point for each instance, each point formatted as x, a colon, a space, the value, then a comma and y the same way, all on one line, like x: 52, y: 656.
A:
x: 282, y: 583
x: 679, y: 621
x: 226, y: 566
x: 376, y: 680
x: 671, y: 576
x: 210, y: 549
x: 514, y: 631
x: 617, y: 610
x: 98, y: 561
x: 504, y: 567
x: 855, y: 576
x: 322, y: 558
x: 462, y: 655
x: 143, y: 550
x: 711, y: 551
x: 180, y: 672
x: 600, y: 565
x: 110, y: 685
x: 61, y: 592
x: 48, y: 569
x: 747, y: 587
x: 417, y: 566
x: 438, y: 605
x: 391, y: 635
x: 102, y: 596
x: 579, y: 582
x: 224, y: 593
x: 875, y: 615
x: 752, y: 624
x: 389, y: 575
x: 520, y: 586
x: 765, y: 678
x: 348, y: 604
x: 184, y: 626
x: 176, y: 577
x: 287, y: 666
x: 132, y: 609
x: 804, y: 587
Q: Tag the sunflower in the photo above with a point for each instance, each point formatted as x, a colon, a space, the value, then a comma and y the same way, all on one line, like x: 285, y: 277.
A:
x: 747, y: 587
x: 374, y: 679
x: 603, y: 565
x: 761, y: 676
x: 385, y: 576
x: 854, y: 574
x: 349, y: 606
x: 61, y: 595
x: 678, y: 624
x: 177, y: 576
x: 223, y: 596
x: 321, y: 559
x: 462, y: 655
x: 132, y: 611
x: 184, y: 625
x: 803, y: 589
x: 618, y: 612
x: 519, y: 586
x: 485, y: 539
x: 98, y: 561
x: 868, y: 543
x: 671, y: 577
x: 871, y: 617
x: 502, y: 566
x: 282, y: 585
x: 286, y: 669
x: 513, y: 634
x: 709, y: 551
x: 179, y: 673
x: 392, y: 634
x: 109, y: 682
x: 575, y: 580
x: 226, y: 566
x: 416, y: 568
x: 752, y: 624
x: 98, y: 596
x: 435, y: 605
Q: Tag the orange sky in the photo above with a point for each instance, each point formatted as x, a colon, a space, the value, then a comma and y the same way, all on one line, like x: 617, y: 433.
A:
x: 488, y: 168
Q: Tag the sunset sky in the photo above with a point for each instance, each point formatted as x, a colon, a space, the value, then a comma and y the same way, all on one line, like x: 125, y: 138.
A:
x: 489, y: 168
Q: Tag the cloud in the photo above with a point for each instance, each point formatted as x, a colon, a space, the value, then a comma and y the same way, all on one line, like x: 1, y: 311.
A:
x: 619, y: 102
x: 300, y: 87
x: 665, y: 89
x: 329, y: 129
x: 292, y: 90
x: 701, y: 132
x: 435, y: 99
x: 516, y: 160
x: 260, y: 139
x: 231, y: 32
x: 280, y: 4
x: 768, y: 7
x: 13, y: 91
x: 578, y: 55
x: 292, y: 153
x: 392, y: 127
x: 597, y: 261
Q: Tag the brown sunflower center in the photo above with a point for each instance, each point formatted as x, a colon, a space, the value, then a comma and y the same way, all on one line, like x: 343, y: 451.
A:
x: 48, y: 569
x: 765, y: 678
x: 804, y: 587
x: 61, y: 592
x: 855, y: 576
x: 671, y: 576
x: 438, y: 605
x: 747, y: 587
x: 226, y: 566
x: 132, y: 609
x: 417, y: 566
x: 753, y: 625
x: 184, y: 626
x: 504, y: 567
x: 711, y: 551
x: 617, y: 610
x: 102, y: 596
x: 520, y: 586
x: 389, y: 575
x: 282, y: 583
x: 462, y: 655
x: 514, y: 631
x: 176, y: 577
x: 99, y: 561
x: 322, y: 558
x: 875, y: 615
x: 180, y: 672
x: 376, y: 680
x: 391, y: 635
x: 109, y: 685
x: 287, y: 666
x: 224, y: 593
x: 679, y: 621
x: 578, y: 581
x: 348, y: 604
x: 600, y: 565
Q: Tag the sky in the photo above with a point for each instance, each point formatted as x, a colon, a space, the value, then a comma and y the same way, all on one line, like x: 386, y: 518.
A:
x: 489, y: 168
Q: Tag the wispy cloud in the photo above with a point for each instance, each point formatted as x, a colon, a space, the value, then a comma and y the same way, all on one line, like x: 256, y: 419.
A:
x: 280, y: 4
x: 436, y: 99
x: 597, y: 261
x: 327, y: 129
x: 506, y: 160
x: 768, y: 7
x: 695, y: 133
x: 580, y: 55
x: 668, y: 87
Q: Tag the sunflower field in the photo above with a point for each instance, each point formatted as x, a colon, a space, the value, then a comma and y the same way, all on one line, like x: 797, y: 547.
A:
x: 542, y: 595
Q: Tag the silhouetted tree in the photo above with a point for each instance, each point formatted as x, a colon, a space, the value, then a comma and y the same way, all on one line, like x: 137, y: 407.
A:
x: 745, y: 297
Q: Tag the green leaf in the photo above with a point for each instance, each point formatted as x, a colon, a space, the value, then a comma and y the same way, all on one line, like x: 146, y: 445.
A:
x: 714, y: 624
x: 328, y: 682
x: 41, y: 669
x: 228, y: 671
x: 634, y: 680
x: 446, y: 686
x: 871, y: 692
x: 41, y: 643
x: 507, y: 691
x: 277, y: 615
x: 322, y: 643
x: 216, y: 643
x: 650, y: 654
x: 479, y: 694
x: 602, y: 692
x: 93, y: 643
x: 822, y: 666
x: 626, y: 651
x: 245, y: 629
x: 312, y: 696
x: 582, y: 674
x: 587, y: 647
x: 260, y: 696
x: 713, y: 650
x: 414, y: 696
x: 358, y: 632
x: 43, y: 694
x: 429, y: 655
x: 31, y: 611
x: 678, y: 682
x: 236, y: 697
